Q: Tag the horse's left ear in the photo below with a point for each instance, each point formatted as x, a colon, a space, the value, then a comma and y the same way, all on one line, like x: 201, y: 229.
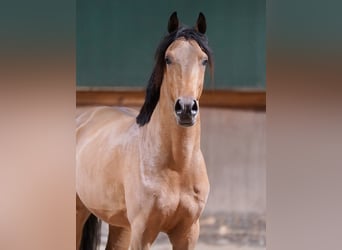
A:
x: 201, y: 24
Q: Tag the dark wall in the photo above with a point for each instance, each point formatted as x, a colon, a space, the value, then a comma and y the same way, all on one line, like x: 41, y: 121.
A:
x: 116, y: 40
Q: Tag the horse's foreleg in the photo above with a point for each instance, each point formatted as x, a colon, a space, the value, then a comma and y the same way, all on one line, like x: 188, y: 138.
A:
x: 82, y: 214
x: 118, y: 238
x: 143, y: 234
x: 184, y: 238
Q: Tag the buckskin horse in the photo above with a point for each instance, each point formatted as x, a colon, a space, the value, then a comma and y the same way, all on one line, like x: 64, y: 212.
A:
x: 144, y: 173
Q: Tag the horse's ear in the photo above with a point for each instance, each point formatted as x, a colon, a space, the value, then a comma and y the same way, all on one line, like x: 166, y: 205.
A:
x: 173, y: 22
x: 201, y: 25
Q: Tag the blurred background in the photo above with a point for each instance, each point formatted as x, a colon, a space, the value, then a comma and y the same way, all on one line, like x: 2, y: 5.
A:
x: 115, y: 45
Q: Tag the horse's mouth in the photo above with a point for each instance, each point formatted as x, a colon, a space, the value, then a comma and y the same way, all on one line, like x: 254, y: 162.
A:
x: 186, y: 121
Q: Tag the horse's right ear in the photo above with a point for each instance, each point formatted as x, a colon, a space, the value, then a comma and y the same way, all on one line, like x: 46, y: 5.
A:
x: 173, y: 22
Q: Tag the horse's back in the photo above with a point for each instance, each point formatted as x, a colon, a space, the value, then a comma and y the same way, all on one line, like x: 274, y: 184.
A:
x: 103, y: 112
x: 99, y: 118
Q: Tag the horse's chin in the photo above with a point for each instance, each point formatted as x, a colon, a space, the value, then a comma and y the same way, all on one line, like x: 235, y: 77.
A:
x: 186, y: 123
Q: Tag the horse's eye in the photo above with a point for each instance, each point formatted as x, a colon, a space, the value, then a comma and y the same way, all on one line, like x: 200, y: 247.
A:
x: 205, y: 62
x: 167, y: 60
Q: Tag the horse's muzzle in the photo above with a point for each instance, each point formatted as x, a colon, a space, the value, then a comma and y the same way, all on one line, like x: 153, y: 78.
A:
x: 186, y: 110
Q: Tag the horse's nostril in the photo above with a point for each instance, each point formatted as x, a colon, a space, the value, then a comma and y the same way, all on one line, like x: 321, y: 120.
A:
x: 194, y: 108
x: 186, y: 107
x: 178, y: 107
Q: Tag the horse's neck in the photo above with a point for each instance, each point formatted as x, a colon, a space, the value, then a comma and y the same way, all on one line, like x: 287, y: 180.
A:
x: 172, y: 142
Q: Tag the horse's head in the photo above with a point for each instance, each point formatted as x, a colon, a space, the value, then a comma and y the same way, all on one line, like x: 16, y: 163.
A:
x: 185, y: 69
x: 181, y: 60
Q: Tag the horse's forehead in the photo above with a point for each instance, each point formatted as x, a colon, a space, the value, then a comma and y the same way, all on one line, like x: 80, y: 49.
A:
x: 185, y: 48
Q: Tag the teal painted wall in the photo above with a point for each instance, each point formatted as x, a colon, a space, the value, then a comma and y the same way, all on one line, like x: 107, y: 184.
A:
x: 116, y: 40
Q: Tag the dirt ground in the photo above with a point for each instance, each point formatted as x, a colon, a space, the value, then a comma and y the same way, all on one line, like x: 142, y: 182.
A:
x: 221, y: 231
x: 202, y: 246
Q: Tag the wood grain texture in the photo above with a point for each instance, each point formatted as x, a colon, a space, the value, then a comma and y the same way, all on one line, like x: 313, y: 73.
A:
x: 255, y: 100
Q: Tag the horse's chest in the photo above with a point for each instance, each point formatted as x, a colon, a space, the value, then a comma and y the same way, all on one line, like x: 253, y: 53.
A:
x: 181, y: 204
x: 190, y: 204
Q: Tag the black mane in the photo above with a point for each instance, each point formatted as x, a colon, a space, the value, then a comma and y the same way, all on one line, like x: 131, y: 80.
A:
x: 155, y: 81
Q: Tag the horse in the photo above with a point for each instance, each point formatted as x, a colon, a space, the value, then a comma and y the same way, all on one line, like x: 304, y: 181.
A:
x: 143, y: 172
